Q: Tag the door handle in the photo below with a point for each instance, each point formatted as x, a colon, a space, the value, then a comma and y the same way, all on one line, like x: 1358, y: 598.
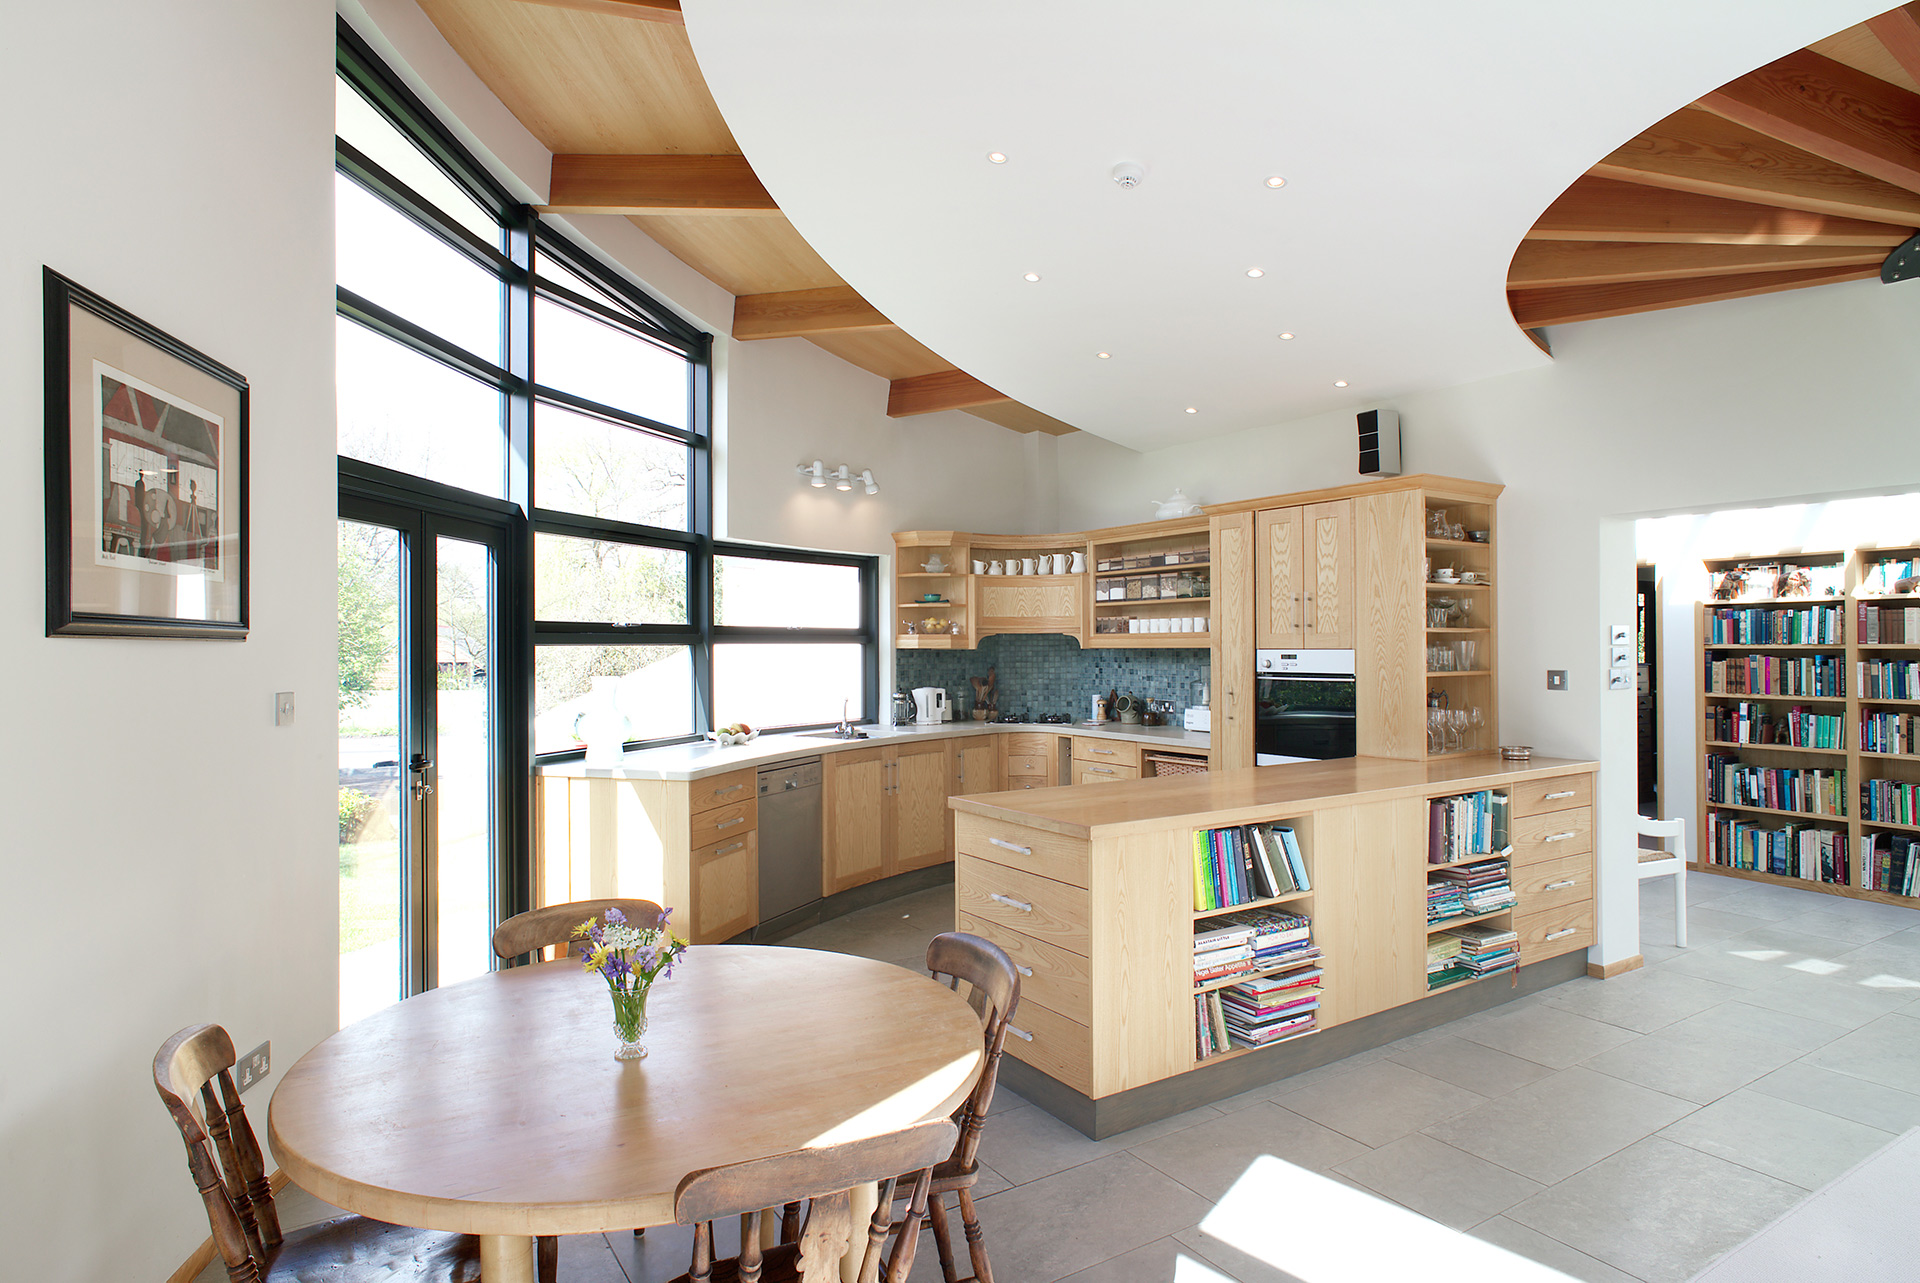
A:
x: 1313, y: 613
x: 421, y: 788
x: 1296, y: 610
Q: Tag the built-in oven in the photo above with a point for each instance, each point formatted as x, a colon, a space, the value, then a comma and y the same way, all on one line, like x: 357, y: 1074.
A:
x: 1303, y: 707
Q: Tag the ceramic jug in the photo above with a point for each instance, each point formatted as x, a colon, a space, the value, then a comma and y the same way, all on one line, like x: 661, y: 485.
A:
x: 1079, y: 565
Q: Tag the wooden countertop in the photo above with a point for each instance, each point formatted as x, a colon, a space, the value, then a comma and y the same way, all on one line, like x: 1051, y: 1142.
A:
x: 1221, y: 798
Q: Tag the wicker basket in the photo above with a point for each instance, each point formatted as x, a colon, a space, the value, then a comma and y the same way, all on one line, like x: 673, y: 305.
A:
x: 1165, y: 764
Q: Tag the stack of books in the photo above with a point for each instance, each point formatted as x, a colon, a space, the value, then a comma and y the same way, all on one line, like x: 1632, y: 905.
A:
x: 1466, y: 825
x: 1256, y: 1012
x: 1253, y: 940
x: 1488, y: 950
x: 1244, y: 864
x: 1443, y: 960
x: 1444, y: 901
x: 1481, y: 887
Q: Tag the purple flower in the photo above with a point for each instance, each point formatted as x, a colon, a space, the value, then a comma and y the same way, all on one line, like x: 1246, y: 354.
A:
x: 618, y: 967
x: 614, y: 915
x: 664, y: 915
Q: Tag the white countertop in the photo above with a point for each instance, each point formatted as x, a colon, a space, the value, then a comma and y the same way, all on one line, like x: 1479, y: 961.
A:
x: 695, y: 761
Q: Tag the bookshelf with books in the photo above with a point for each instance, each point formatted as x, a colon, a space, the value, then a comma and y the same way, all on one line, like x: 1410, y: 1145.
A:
x: 1808, y: 712
x: 1470, y: 894
x: 1257, y: 973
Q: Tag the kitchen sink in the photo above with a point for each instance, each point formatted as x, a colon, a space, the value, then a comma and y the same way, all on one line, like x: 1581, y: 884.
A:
x: 831, y: 735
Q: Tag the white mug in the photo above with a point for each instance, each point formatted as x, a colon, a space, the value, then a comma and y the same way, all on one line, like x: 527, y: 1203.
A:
x: 979, y: 567
x: 1160, y: 625
x: 995, y: 569
x: 1028, y: 568
x: 1133, y: 625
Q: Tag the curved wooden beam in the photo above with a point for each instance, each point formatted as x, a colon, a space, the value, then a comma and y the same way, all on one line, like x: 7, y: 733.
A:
x: 1827, y: 108
x: 1562, y: 306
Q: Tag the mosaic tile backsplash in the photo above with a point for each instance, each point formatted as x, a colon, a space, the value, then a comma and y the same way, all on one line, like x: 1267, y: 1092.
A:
x: 1047, y: 673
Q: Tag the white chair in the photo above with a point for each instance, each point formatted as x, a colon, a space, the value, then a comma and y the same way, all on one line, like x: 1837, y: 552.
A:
x: 1672, y: 860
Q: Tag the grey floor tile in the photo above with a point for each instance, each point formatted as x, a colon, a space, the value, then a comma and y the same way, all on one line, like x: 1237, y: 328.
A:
x: 1787, y: 946
x: 1468, y: 1064
x: 1860, y: 928
x: 1843, y: 1096
x: 1745, y: 1019
x: 1438, y: 1181
x: 1655, y: 952
x: 1165, y: 1127
x: 1211, y: 1157
x: 1380, y: 1102
x: 1886, y: 1051
x: 1643, y: 1000
x: 1705, y: 888
x: 1547, y: 1035
x: 1523, y: 1240
x: 1726, y: 962
x: 1026, y: 1144
x: 1710, y: 922
x: 1005, y: 1098
x: 1778, y: 1138
x: 591, y: 1258
x: 1840, y: 999
x: 1068, y: 1222
x: 1684, y: 1064
x: 665, y: 1251
x: 1658, y: 1210
x: 1763, y: 900
x: 1162, y: 1261
x: 1891, y: 962
x: 989, y: 1182
x: 1550, y: 1129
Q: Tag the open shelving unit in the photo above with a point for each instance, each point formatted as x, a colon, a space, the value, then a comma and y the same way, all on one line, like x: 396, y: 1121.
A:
x: 1296, y: 902
x: 1460, y: 612
x: 1174, y: 565
x: 1861, y: 587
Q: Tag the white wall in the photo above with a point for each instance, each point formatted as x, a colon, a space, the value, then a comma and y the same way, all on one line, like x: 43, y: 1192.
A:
x: 167, y: 849
x: 1793, y: 395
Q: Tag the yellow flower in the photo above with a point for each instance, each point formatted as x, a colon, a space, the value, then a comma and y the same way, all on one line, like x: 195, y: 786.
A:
x: 596, y: 960
x: 583, y: 929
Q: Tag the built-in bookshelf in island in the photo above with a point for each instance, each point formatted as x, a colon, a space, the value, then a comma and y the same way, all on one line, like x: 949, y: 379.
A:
x: 1257, y: 978
x: 1470, y: 896
x: 1809, y: 700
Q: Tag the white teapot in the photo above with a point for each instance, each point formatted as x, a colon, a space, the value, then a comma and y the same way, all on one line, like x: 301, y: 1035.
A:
x: 1178, y: 506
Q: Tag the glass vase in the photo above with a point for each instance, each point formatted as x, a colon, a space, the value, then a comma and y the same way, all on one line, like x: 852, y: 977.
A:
x: 630, y: 1022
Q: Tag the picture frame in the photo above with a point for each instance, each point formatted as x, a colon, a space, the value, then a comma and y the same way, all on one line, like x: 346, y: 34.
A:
x: 146, y: 474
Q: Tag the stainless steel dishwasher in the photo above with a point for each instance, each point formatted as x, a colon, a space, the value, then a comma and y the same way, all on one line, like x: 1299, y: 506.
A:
x: 789, y: 837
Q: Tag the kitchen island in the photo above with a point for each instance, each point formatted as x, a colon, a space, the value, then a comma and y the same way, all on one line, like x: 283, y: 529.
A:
x: 1093, y: 893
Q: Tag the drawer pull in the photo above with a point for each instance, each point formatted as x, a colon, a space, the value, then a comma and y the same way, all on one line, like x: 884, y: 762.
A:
x: 1564, y: 931
x: 1019, y: 1033
x: 1099, y: 770
x: 729, y: 848
x: 727, y: 824
x: 1025, y: 971
x: 1560, y: 837
x: 1555, y: 797
x: 1104, y: 752
x: 731, y: 788
x: 1010, y: 902
x: 1565, y: 882
x: 1015, y: 847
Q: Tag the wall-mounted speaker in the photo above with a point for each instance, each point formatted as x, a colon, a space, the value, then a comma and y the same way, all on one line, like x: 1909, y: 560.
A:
x: 1379, y: 443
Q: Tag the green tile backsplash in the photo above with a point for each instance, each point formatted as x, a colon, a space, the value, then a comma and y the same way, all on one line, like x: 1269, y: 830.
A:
x: 1048, y: 673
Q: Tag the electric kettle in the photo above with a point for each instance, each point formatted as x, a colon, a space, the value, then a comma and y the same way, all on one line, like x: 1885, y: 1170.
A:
x: 930, y: 704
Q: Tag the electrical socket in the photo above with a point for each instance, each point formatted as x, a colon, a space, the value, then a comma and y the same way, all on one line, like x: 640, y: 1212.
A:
x: 1556, y: 679
x: 254, y: 1065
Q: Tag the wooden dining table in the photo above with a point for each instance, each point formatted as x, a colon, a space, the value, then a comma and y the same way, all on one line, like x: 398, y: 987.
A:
x: 495, y: 1106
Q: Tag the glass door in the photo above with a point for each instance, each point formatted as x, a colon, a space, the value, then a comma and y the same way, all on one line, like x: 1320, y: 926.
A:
x: 421, y: 761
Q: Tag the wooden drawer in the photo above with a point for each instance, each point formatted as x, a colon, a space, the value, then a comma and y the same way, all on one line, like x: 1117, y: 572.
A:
x: 1111, y: 752
x: 1049, y: 975
x: 1027, y: 782
x: 719, y: 790
x: 1053, y: 1044
x: 1032, y: 905
x: 1552, y: 836
x: 1051, y: 855
x: 1554, y: 932
x: 725, y: 882
x: 725, y: 823
x: 1033, y: 743
x: 1550, y: 884
x: 1561, y: 793
x: 1103, y: 772
x: 1027, y: 764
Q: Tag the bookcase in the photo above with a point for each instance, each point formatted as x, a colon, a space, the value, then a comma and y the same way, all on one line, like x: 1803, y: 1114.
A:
x: 1808, y: 710
x: 1257, y: 974
x: 1470, y: 895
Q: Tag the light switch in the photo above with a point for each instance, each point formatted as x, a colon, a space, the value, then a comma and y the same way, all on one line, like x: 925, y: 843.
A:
x: 1619, y: 680
x: 283, y: 708
x: 1617, y: 634
x: 1556, y: 679
x: 1622, y: 657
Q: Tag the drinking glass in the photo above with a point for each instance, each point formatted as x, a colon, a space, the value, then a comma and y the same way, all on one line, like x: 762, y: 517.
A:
x: 1466, y: 650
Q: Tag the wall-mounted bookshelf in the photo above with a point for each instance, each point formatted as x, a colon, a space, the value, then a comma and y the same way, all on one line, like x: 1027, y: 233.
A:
x: 1810, y: 678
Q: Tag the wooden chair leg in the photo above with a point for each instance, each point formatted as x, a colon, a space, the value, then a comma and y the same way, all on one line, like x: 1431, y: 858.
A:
x: 546, y: 1258
x: 942, y: 1236
x: 976, y: 1240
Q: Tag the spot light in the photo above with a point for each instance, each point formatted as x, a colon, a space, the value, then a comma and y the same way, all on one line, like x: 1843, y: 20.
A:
x: 815, y: 473
x: 1193, y: 409
x: 1276, y: 181
x: 1104, y: 356
x: 1339, y: 383
x: 997, y: 157
x: 1287, y: 336
x: 842, y: 478
x: 1255, y: 273
x: 1032, y: 276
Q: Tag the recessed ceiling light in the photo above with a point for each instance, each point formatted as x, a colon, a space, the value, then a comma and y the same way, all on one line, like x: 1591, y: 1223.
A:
x: 1276, y: 181
x: 1286, y: 336
x: 997, y: 157
x: 1255, y: 273
x: 1339, y: 383
x: 1033, y: 276
x: 1193, y: 409
x: 1104, y: 356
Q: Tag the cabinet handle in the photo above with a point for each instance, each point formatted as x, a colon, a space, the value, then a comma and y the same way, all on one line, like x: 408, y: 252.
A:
x: 1010, y: 902
x: 1555, y: 797
x: 1313, y: 613
x: 1025, y: 971
x: 1099, y: 770
x: 1567, y: 882
x: 1565, y: 931
x: 1005, y: 845
x: 727, y: 824
x: 1106, y: 752
x: 1019, y: 1033
x: 730, y: 848
x: 731, y: 788
x: 1296, y: 610
x: 1560, y: 837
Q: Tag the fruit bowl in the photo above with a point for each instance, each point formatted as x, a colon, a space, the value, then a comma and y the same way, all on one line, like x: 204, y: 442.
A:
x: 727, y: 739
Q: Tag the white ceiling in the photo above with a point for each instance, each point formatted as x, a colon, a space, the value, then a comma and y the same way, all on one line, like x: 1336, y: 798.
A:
x: 1419, y: 141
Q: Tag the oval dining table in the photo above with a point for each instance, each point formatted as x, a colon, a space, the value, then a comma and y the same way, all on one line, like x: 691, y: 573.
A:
x: 495, y: 1106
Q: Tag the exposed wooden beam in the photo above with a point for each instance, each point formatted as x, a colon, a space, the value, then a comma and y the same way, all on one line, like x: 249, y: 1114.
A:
x: 945, y: 390
x: 656, y: 185
x: 804, y: 313
x: 1020, y: 418
x: 1826, y: 107
x: 1697, y: 151
x: 1898, y: 31
x: 1544, y: 264
x: 1567, y: 304
x: 645, y: 10
x: 1605, y: 209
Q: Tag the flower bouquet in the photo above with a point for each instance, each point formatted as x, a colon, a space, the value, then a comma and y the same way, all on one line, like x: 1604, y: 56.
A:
x: 630, y: 959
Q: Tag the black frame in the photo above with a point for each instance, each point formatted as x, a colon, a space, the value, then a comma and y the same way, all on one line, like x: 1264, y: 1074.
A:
x: 61, y: 295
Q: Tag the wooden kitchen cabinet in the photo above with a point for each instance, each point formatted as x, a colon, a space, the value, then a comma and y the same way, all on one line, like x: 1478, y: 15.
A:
x: 917, y: 807
x: 1304, y: 591
x: 885, y: 812
x: 1233, y: 634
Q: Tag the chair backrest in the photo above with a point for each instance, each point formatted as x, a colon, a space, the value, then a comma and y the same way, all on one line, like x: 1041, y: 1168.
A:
x: 240, y: 1208
x: 822, y: 1177
x: 554, y: 924
x: 1672, y: 832
x: 955, y: 956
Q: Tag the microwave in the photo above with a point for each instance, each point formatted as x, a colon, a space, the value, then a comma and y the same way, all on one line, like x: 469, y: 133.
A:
x: 1303, y: 705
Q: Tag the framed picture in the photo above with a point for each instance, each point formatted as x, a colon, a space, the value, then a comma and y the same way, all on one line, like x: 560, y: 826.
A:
x: 146, y: 458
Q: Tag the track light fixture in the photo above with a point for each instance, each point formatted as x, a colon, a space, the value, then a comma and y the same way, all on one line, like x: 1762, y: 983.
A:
x: 866, y: 478
x: 815, y: 473
x: 843, y: 477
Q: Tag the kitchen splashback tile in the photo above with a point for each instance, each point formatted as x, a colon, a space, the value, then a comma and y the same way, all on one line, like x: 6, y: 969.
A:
x: 1049, y: 673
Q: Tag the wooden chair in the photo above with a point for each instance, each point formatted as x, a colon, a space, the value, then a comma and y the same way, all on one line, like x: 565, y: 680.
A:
x: 994, y: 993
x: 822, y: 1178
x: 553, y: 925
x: 240, y: 1207
x: 1672, y: 860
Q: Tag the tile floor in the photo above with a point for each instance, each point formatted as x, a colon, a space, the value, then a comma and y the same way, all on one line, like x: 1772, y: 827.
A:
x: 1634, y: 1128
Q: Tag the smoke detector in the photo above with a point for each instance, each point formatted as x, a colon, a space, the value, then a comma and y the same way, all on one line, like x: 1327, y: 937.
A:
x: 1128, y: 174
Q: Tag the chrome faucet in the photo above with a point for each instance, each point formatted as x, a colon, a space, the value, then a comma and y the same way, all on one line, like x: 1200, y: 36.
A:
x: 845, y: 729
